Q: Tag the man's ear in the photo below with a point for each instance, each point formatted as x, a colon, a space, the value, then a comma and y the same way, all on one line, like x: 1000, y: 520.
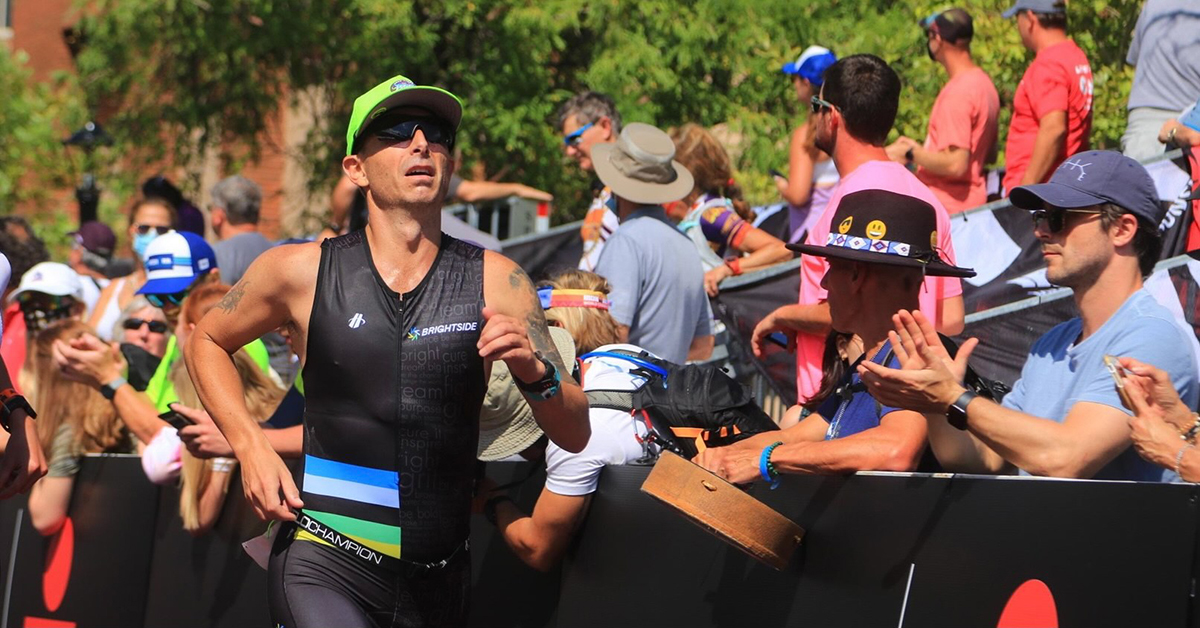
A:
x: 606, y: 123
x: 352, y: 165
x: 1124, y: 229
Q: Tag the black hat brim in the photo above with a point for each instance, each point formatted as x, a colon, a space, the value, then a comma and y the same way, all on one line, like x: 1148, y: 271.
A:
x: 936, y: 268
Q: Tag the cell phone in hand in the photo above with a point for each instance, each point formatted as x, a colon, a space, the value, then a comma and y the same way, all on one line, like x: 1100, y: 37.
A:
x: 776, y: 173
x: 175, y: 420
x: 778, y: 338
x: 1118, y: 374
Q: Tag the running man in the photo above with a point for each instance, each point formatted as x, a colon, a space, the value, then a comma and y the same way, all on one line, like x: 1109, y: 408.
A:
x: 397, y: 326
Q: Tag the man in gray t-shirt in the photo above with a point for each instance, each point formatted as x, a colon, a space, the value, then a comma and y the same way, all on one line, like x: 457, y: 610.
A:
x: 236, y: 202
x: 1166, y: 52
x: 657, y: 278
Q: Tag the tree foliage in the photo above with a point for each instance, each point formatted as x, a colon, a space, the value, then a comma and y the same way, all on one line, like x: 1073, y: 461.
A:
x: 210, y: 73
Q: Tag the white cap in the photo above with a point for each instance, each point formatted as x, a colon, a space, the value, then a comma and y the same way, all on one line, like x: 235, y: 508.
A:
x: 50, y: 278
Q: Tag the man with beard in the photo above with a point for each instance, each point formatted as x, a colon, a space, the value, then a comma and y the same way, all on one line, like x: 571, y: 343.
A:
x: 1097, y: 220
x: 855, y: 111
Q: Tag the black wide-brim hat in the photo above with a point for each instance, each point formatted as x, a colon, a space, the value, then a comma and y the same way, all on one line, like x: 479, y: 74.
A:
x: 882, y: 227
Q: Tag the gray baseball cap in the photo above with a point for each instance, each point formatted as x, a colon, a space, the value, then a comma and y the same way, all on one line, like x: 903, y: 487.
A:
x: 1094, y: 177
x: 1037, y: 6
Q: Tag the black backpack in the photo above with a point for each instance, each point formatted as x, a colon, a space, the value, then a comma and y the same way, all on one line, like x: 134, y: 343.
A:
x: 687, y: 408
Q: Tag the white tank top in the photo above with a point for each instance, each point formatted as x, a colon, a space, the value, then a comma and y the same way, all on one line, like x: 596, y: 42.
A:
x: 112, y: 311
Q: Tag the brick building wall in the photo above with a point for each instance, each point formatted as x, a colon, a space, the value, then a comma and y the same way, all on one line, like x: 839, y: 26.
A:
x: 38, y: 28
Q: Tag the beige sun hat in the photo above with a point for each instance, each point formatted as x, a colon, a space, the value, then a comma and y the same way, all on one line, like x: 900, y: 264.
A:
x: 506, y: 423
x: 639, y: 166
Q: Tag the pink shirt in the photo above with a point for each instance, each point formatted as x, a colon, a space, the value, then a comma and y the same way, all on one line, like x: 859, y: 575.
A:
x: 963, y: 116
x: 873, y: 175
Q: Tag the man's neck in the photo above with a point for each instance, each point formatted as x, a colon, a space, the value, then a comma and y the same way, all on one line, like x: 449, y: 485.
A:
x: 626, y: 208
x: 875, y: 332
x: 228, y: 231
x: 1047, y: 38
x: 957, y: 62
x: 404, y: 241
x: 1100, y: 300
x: 850, y: 153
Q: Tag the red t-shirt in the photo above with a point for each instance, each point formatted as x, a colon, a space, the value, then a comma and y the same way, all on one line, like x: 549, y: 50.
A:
x: 963, y: 116
x: 1059, y: 79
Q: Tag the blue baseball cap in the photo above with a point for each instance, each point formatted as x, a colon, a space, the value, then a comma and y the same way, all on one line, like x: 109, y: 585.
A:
x: 1037, y: 6
x: 1094, y: 177
x: 174, y: 260
x: 811, y: 64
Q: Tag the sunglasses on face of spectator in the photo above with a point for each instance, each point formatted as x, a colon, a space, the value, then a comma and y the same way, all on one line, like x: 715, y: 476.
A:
x: 573, y: 138
x: 436, y: 131
x: 134, y: 324
x: 161, y: 300
x: 144, y: 229
x: 819, y: 104
x: 1056, y: 219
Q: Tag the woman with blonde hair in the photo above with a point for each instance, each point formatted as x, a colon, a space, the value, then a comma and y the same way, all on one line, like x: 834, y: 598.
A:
x: 577, y: 301
x: 204, y: 483
x: 717, y: 218
x: 73, y: 419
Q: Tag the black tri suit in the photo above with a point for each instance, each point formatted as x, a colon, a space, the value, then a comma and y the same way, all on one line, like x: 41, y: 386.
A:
x: 393, y: 386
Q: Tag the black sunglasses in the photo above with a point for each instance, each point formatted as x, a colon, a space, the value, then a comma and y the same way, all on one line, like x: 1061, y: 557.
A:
x: 818, y: 104
x: 156, y: 327
x: 1056, y: 219
x: 436, y: 131
x: 144, y: 229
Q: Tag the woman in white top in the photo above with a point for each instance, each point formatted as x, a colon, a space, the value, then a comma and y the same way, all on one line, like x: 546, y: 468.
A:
x: 577, y: 301
x: 149, y: 218
x: 811, y: 173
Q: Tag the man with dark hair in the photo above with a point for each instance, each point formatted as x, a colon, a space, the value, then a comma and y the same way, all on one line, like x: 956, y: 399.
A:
x: 398, y: 326
x: 1052, y: 109
x: 854, y: 113
x: 962, y: 126
x: 234, y: 209
x: 1097, y: 220
x: 876, y: 266
x: 586, y: 120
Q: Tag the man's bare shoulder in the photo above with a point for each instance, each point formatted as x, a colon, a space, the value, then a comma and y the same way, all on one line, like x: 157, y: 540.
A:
x: 505, y: 284
x: 294, y: 265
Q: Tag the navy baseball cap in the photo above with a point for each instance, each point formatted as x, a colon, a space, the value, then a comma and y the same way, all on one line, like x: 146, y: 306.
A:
x: 1037, y: 6
x: 1094, y: 177
x: 811, y: 64
x: 174, y: 260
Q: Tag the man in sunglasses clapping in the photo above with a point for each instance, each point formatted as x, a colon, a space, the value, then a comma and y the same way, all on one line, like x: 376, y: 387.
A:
x: 1097, y: 219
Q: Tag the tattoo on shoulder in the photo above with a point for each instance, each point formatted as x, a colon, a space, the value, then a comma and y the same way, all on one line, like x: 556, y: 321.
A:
x: 233, y: 298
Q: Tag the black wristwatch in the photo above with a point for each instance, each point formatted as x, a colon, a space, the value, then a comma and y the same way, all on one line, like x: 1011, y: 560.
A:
x: 10, y: 401
x: 109, y: 390
x: 908, y: 154
x: 489, y: 507
x: 956, y: 414
x: 547, y: 386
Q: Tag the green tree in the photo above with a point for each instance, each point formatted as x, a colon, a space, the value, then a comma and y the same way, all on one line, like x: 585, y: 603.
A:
x: 210, y: 73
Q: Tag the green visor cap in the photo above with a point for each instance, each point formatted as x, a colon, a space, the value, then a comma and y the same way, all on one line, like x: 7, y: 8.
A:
x: 399, y: 91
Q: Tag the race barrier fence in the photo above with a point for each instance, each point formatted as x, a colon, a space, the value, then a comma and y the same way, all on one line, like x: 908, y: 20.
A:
x: 880, y: 549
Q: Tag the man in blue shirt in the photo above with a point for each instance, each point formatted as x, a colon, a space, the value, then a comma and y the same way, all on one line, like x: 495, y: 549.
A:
x: 879, y: 253
x: 658, y: 297
x: 1098, y: 221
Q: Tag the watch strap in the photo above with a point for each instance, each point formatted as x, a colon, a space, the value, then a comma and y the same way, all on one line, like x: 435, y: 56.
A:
x: 544, y: 388
x: 109, y: 390
x: 11, y: 400
x: 956, y: 415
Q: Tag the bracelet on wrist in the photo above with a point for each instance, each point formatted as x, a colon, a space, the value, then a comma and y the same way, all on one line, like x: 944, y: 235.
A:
x: 1179, y: 459
x: 1189, y: 433
x: 766, y: 469
x: 734, y: 266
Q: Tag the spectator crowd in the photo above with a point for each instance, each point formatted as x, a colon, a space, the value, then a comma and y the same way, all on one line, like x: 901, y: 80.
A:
x: 97, y: 347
